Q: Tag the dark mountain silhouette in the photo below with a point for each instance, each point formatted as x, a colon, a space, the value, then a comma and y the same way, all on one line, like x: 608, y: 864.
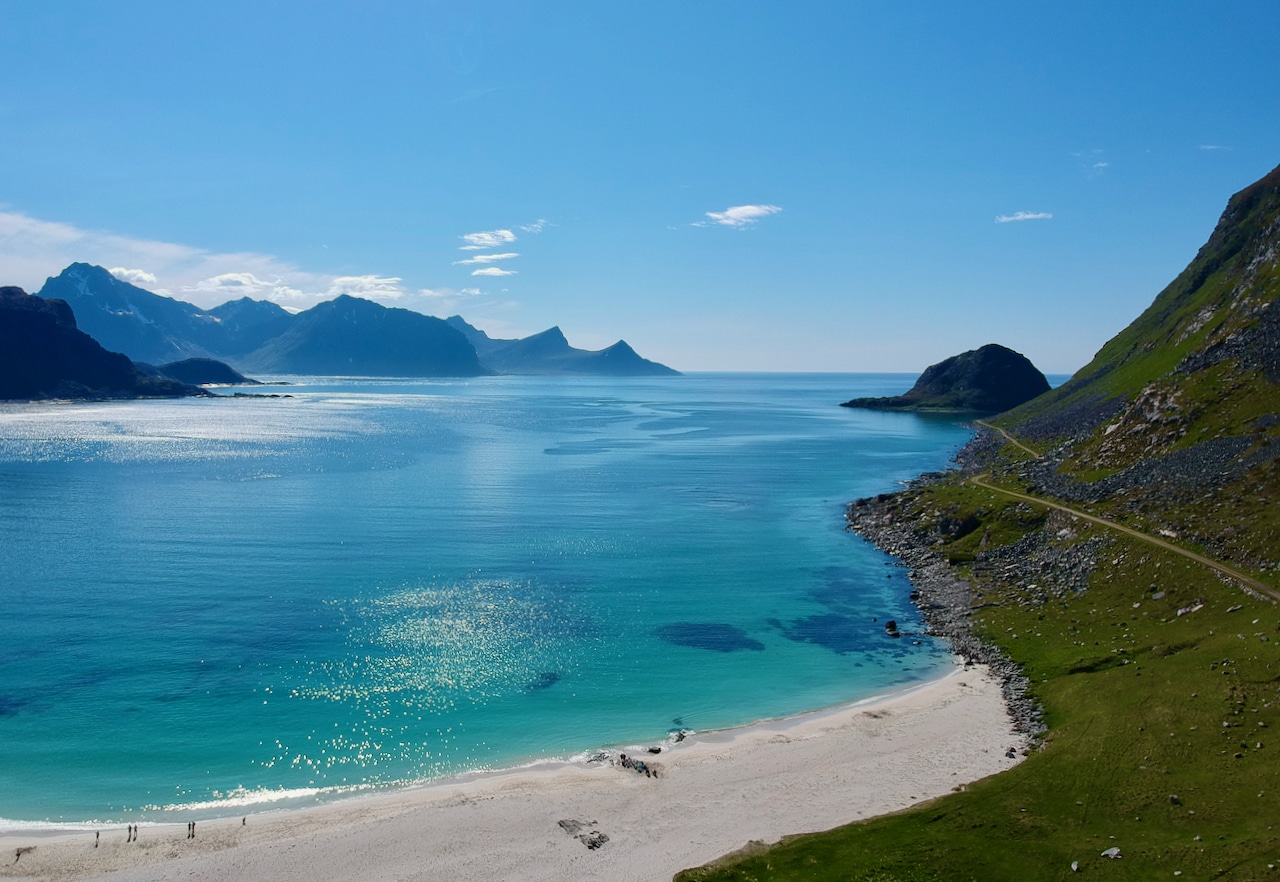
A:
x: 550, y: 353
x: 989, y: 379
x: 246, y: 325
x: 124, y: 318
x: 44, y: 355
x: 353, y: 337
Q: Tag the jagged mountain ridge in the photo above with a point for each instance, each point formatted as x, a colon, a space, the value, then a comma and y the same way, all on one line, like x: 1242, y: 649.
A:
x: 549, y: 352
x: 125, y: 318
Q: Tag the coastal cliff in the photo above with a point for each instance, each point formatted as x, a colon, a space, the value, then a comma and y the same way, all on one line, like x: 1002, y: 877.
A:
x: 43, y: 354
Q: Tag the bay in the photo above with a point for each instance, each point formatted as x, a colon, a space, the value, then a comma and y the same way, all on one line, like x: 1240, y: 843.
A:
x: 219, y: 604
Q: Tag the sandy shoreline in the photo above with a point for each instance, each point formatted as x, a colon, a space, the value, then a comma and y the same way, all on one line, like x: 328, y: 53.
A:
x: 714, y: 795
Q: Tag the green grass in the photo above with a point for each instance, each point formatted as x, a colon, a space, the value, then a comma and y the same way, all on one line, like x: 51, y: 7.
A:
x: 1142, y: 705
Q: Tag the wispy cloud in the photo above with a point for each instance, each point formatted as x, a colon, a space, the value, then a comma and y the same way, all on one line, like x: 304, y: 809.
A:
x: 474, y: 94
x: 493, y: 271
x: 487, y: 239
x: 1213, y: 147
x: 1101, y: 165
x: 536, y: 227
x: 449, y: 293
x: 738, y: 215
x: 1022, y: 216
x: 368, y: 287
x: 486, y: 258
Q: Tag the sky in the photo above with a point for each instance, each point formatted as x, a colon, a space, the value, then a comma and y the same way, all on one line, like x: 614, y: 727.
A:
x: 741, y: 186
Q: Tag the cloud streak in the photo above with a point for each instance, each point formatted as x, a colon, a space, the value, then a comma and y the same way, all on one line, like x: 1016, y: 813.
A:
x: 487, y: 239
x: 486, y: 258
x: 1019, y: 216
x: 738, y: 216
x: 494, y: 271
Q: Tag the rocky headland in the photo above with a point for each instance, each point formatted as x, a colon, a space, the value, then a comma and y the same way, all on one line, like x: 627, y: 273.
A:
x: 986, y: 380
x: 44, y: 355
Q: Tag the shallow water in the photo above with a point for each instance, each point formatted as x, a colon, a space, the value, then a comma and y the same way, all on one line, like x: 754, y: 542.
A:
x: 229, y: 602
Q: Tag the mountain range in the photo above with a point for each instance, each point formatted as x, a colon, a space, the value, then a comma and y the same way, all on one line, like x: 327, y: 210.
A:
x: 347, y: 336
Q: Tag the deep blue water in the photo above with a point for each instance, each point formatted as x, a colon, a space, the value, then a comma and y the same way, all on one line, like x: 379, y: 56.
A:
x: 218, y: 603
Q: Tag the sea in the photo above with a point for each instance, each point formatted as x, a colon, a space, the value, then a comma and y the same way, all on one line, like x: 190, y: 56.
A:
x: 234, y: 604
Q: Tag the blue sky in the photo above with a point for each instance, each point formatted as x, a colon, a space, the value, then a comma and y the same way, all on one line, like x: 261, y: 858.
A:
x: 850, y: 186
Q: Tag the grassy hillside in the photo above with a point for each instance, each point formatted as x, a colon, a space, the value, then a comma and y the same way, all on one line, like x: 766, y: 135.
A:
x: 1159, y: 678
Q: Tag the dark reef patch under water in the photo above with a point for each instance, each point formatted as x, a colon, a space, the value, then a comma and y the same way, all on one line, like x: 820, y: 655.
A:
x: 716, y: 636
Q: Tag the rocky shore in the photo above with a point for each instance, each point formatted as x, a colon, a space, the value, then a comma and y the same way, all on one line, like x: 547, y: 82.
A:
x: 945, y: 600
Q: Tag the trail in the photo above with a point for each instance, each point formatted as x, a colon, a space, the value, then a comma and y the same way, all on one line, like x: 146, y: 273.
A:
x: 1012, y: 440
x: 1266, y: 590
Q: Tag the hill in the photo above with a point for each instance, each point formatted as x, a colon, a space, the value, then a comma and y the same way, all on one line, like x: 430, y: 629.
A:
x: 205, y: 371
x: 1111, y: 548
x: 44, y: 355
x: 549, y: 352
x: 349, y: 336
x: 988, y: 380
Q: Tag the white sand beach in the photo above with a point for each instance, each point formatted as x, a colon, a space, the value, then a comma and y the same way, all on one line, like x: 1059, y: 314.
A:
x: 715, y: 793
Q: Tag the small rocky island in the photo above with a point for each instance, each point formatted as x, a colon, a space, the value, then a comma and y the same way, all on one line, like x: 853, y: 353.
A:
x: 204, y: 372
x: 990, y: 379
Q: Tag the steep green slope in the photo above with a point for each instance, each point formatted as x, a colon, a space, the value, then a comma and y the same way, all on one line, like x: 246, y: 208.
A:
x: 1217, y: 310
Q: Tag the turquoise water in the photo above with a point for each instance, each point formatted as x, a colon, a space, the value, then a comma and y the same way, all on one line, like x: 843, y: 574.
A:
x: 213, y: 604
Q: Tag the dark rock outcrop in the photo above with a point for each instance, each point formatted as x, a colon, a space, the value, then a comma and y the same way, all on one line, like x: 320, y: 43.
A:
x: 990, y: 379
x: 44, y: 355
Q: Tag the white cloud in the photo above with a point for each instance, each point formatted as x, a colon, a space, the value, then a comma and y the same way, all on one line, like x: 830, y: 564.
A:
x: 133, y: 276
x: 232, y: 283
x: 1101, y: 165
x: 487, y: 239
x: 536, y: 227
x: 368, y: 287
x: 493, y: 271
x: 739, y: 215
x: 1022, y: 216
x: 1213, y: 147
x: 486, y: 258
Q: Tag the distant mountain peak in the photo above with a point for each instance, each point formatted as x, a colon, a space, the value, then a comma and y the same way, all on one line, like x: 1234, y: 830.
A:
x: 549, y: 352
